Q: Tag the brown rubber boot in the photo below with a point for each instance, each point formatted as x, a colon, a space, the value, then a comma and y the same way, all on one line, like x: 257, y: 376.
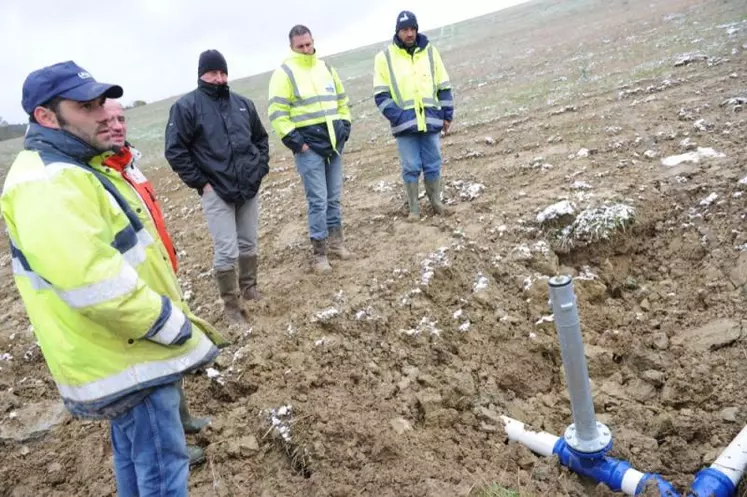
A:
x: 336, y: 247
x: 248, y: 277
x: 433, y: 190
x: 320, y: 264
x: 229, y: 293
x: 412, y: 201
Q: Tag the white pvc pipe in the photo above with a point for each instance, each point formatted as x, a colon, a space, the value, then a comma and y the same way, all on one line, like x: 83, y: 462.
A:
x: 540, y: 442
x: 733, y: 460
x: 543, y: 444
x: 631, y: 479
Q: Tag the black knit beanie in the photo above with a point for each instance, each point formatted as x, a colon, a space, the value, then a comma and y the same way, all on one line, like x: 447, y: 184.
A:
x: 211, y: 60
x: 406, y: 19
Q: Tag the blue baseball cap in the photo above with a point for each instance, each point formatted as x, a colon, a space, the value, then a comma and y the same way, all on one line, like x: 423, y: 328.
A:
x: 67, y: 80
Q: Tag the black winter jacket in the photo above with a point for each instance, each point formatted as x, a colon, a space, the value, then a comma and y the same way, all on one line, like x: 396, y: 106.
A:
x: 215, y: 136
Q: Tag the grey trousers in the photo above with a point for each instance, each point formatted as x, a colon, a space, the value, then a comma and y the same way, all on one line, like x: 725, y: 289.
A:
x: 234, y: 230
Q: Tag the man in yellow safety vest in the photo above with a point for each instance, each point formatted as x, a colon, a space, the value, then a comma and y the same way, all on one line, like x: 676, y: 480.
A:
x: 308, y: 109
x: 412, y: 90
x: 97, y: 283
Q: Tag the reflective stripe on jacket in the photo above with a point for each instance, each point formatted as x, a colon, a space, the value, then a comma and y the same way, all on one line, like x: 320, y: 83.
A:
x: 124, y: 163
x: 101, y: 295
x: 308, y: 105
x: 412, y: 88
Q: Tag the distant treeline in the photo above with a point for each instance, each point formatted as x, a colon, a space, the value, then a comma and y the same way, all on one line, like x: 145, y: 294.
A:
x: 10, y: 131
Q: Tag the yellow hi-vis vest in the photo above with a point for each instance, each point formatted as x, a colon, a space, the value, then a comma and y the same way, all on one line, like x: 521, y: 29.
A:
x: 306, y: 91
x: 100, y: 293
x: 413, y: 82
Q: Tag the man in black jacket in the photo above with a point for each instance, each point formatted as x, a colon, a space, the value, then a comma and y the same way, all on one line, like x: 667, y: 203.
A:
x: 217, y: 145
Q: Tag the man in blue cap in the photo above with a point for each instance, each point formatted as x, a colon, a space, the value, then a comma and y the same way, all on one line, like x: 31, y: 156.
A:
x: 98, y: 288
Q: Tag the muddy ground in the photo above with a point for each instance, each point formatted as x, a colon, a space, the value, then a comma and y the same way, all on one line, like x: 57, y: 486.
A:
x: 397, y: 366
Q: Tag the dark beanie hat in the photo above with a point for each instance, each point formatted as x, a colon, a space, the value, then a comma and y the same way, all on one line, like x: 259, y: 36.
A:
x: 211, y: 60
x: 406, y: 19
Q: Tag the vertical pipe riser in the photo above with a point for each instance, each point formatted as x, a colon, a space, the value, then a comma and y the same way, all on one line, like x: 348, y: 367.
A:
x: 585, y: 434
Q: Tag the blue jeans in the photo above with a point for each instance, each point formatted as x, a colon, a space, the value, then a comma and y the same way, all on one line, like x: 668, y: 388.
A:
x: 150, y: 450
x: 322, y: 182
x: 420, y: 152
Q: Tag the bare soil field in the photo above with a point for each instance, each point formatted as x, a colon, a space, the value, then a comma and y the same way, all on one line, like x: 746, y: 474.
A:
x: 601, y: 139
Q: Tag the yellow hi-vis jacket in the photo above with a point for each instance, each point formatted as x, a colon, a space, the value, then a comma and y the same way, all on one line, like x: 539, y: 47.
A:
x: 308, y: 105
x: 98, y: 288
x: 412, y: 89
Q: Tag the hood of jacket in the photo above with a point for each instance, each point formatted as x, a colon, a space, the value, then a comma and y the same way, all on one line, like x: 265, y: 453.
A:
x: 213, y: 90
x: 59, y: 142
x: 421, y: 42
x: 302, y: 59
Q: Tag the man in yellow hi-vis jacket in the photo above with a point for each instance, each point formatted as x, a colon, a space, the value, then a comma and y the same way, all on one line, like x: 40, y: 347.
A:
x: 412, y: 90
x: 98, y: 287
x: 309, y: 111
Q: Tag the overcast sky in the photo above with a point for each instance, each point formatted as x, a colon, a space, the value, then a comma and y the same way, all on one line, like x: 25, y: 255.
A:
x: 151, y: 47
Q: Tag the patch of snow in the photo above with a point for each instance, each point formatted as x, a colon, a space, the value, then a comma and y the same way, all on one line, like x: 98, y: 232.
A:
x: 523, y: 252
x: 383, y: 186
x: 688, y: 144
x: 240, y: 354
x: 597, y: 223
x: 556, y: 210
x: 281, y: 421
x: 480, y: 284
x: 429, y: 264
x: 425, y: 325
x: 400, y: 272
x: 709, y: 199
x: 542, y: 247
x: 580, y: 185
x: 529, y: 280
x: 545, y: 319
x: 696, y: 156
x: 215, y: 375
x: 468, y: 190
x: 702, y: 125
x: 612, y: 130
x: 464, y: 326
x: 458, y: 314
x: 586, y: 274
x: 326, y: 314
